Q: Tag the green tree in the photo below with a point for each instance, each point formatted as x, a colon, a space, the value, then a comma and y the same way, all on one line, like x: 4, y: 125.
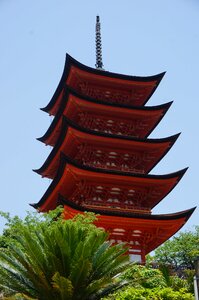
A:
x: 131, y: 293
x: 181, y: 251
x: 149, y: 277
x: 147, y: 283
x: 65, y: 260
x: 142, y: 276
x: 32, y: 220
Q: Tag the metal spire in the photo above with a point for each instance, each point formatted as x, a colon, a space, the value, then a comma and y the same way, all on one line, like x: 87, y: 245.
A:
x: 98, y: 43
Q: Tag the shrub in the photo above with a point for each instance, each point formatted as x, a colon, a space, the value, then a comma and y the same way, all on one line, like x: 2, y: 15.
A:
x: 132, y: 293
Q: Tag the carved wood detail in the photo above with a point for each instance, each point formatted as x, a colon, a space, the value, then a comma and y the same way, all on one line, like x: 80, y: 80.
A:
x: 133, y: 128
x: 133, y: 95
x: 135, y: 162
x: 104, y: 196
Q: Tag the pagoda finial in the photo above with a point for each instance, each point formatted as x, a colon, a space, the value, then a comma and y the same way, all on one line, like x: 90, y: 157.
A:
x: 98, y: 42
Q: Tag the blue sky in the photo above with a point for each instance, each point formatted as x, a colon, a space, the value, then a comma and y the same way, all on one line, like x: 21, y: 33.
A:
x: 139, y: 38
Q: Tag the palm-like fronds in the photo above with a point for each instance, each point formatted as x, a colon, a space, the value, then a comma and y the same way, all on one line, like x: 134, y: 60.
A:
x: 62, y: 261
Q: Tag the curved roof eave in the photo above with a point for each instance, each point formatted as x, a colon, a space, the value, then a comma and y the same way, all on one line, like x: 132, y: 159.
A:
x: 69, y: 90
x: 70, y: 61
x: 67, y: 123
x: 182, y: 214
x: 64, y: 160
x: 64, y: 101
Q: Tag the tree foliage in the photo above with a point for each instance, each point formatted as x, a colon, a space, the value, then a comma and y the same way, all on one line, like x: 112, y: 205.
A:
x: 131, y: 293
x: 146, y: 277
x: 47, y: 259
x: 181, y: 251
x: 32, y: 220
x: 147, y: 283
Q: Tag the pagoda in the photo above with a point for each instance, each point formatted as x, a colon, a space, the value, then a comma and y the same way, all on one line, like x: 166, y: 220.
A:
x: 101, y: 154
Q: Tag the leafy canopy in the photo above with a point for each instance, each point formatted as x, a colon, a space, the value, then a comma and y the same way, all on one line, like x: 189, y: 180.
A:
x: 181, y: 251
x: 50, y: 258
x: 147, y: 283
x: 132, y: 293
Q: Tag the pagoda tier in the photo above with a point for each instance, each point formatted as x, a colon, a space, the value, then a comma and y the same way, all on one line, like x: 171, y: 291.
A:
x: 102, y: 85
x: 143, y: 233
x: 105, y: 189
x: 90, y: 114
x: 105, y: 151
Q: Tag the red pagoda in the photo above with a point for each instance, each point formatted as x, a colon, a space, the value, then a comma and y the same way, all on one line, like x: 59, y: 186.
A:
x: 102, y: 156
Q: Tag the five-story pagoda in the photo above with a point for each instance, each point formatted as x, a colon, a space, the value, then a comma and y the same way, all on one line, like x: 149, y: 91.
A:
x: 102, y: 156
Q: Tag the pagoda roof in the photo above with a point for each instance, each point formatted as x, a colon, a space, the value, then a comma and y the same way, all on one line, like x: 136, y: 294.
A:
x: 142, y: 232
x: 84, y: 184
x: 105, y: 150
x: 88, y: 113
x: 119, y: 213
x: 99, y: 84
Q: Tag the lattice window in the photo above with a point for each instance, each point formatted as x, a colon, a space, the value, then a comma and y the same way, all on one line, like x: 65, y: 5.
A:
x: 137, y: 198
x: 134, y: 95
x: 133, y: 128
x: 135, y: 162
x: 101, y: 93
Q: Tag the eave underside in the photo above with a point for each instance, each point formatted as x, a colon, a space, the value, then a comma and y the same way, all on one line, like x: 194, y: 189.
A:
x: 93, y: 149
x: 142, y: 234
x: 132, y: 122
x: 90, y: 186
x: 102, y: 85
